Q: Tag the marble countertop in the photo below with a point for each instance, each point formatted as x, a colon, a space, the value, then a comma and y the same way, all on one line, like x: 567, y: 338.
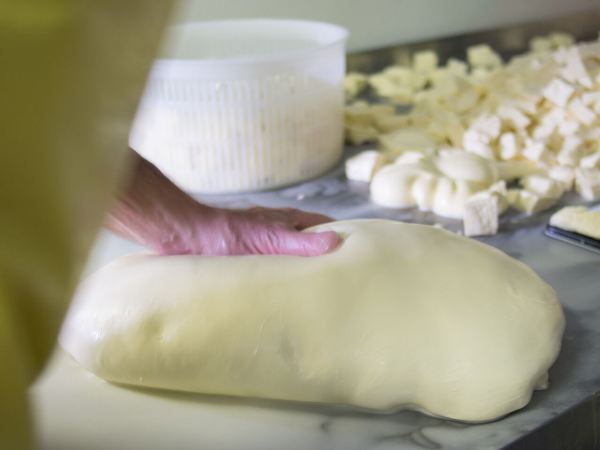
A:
x: 73, y: 409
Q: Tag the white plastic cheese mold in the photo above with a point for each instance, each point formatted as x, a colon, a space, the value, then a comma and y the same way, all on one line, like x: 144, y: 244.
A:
x: 242, y: 105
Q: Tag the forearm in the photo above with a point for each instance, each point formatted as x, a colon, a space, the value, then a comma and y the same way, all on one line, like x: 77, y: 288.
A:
x: 154, y: 212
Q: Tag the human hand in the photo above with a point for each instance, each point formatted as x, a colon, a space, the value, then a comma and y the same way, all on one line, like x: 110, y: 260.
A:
x: 264, y: 231
x: 157, y: 214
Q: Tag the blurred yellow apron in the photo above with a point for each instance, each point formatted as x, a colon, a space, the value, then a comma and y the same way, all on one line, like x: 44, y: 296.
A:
x: 71, y: 74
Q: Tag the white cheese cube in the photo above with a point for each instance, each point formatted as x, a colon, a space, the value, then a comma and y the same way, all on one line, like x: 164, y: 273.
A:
x: 478, y: 143
x: 447, y: 87
x: 480, y: 214
x: 466, y: 99
x: 568, y: 128
x: 488, y: 125
x: 535, y: 150
x: 581, y: 112
x: 571, y: 151
x: 430, y: 97
x: 564, y: 175
x: 358, y: 113
x: 407, y: 139
x: 390, y: 84
x: 558, y: 92
x: 512, y: 115
x: 536, y: 64
x: 509, y: 146
x: 400, y: 74
x: 382, y: 84
x: 529, y: 106
x: 425, y: 61
x: 575, y: 70
x: 457, y: 67
x: 436, y: 129
x: 589, y: 50
x: 418, y: 80
x: 386, y: 123
x: 532, y: 203
x: 543, y: 131
x: 592, y: 101
x: 361, y: 134
x: 540, y: 44
x: 554, y: 117
x: 451, y: 125
x: 363, y: 166
x: 560, y: 55
x: 499, y: 188
x: 593, y: 66
x: 560, y: 39
x: 439, y: 76
x: 354, y: 84
x: 482, y: 56
x: 480, y: 73
x: 543, y: 186
x: 587, y: 183
x: 591, y: 161
x: 547, y: 124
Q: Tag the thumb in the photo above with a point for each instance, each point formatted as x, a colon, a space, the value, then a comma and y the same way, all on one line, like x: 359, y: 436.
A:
x: 308, y: 244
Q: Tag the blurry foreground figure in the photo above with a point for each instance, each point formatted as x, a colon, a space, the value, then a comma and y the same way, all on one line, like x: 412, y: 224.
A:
x: 72, y: 74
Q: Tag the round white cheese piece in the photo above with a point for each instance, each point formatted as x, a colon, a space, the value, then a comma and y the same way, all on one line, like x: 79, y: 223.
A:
x: 440, y: 184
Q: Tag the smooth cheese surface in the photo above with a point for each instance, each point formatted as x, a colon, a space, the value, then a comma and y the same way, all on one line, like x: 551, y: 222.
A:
x: 389, y: 320
x: 578, y: 219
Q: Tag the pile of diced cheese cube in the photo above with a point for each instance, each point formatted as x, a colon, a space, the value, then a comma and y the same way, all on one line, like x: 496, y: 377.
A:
x: 536, y: 120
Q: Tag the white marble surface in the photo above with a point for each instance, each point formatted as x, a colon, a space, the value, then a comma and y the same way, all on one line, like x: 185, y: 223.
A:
x: 75, y: 410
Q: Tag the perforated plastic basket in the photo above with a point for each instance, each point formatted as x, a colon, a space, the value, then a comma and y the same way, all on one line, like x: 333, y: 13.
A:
x: 244, y: 105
